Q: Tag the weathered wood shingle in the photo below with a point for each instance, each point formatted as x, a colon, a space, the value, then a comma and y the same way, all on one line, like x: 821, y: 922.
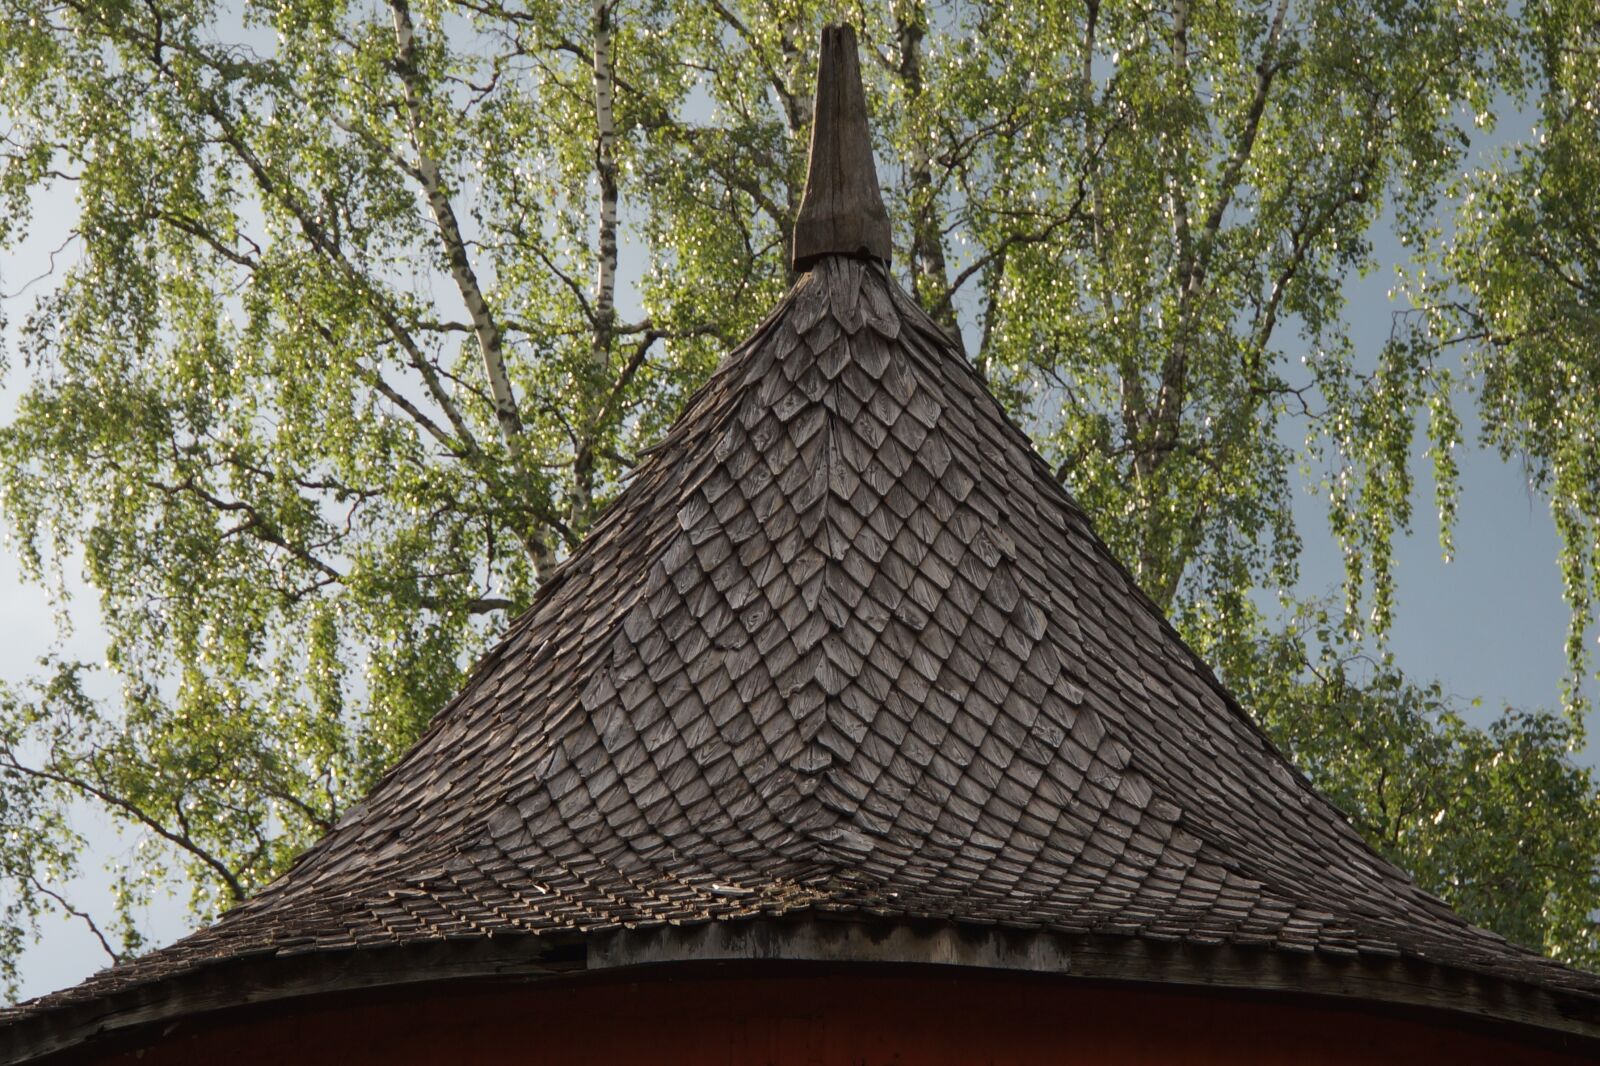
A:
x: 845, y: 645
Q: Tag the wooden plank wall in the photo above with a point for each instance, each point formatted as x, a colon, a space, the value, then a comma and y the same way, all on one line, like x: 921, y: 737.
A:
x: 732, y: 1018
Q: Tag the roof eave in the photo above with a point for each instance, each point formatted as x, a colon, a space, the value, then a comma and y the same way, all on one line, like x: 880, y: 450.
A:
x: 1408, y: 985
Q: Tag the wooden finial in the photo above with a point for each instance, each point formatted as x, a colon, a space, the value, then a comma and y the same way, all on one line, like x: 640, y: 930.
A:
x: 842, y: 210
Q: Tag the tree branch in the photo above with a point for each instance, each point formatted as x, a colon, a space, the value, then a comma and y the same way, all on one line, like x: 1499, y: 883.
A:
x: 180, y: 840
x: 60, y: 901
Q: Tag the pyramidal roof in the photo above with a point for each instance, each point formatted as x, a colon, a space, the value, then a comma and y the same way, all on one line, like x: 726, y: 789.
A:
x: 844, y: 656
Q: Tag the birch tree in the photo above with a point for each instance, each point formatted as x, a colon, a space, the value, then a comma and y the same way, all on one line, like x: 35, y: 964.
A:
x: 1513, y: 298
x: 369, y: 307
x: 335, y: 379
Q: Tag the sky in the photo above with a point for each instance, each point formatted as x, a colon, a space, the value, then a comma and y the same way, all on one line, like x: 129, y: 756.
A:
x: 1489, y: 625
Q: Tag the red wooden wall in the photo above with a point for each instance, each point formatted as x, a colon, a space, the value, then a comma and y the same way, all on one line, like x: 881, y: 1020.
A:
x: 812, y: 1018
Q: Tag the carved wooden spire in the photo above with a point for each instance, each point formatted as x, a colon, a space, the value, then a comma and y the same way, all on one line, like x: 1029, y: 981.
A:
x: 842, y: 210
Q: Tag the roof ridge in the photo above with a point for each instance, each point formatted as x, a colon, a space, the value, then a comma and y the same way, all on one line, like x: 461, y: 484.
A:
x: 836, y: 359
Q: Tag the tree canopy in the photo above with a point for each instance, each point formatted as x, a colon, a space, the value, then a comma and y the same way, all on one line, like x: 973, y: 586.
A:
x: 370, y: 307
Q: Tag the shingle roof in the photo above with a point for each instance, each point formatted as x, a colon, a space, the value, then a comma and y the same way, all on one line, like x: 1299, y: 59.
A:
x: 844, y: 646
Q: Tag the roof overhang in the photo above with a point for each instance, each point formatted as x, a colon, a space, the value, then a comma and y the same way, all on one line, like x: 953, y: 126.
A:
x: 1455, y: 997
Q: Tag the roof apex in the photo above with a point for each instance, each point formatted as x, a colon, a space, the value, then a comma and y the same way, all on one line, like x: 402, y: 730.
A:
x: 842, y: 210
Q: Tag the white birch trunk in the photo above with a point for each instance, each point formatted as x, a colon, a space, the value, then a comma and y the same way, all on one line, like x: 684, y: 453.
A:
x: 491, y: 340
x: 604, y: 303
